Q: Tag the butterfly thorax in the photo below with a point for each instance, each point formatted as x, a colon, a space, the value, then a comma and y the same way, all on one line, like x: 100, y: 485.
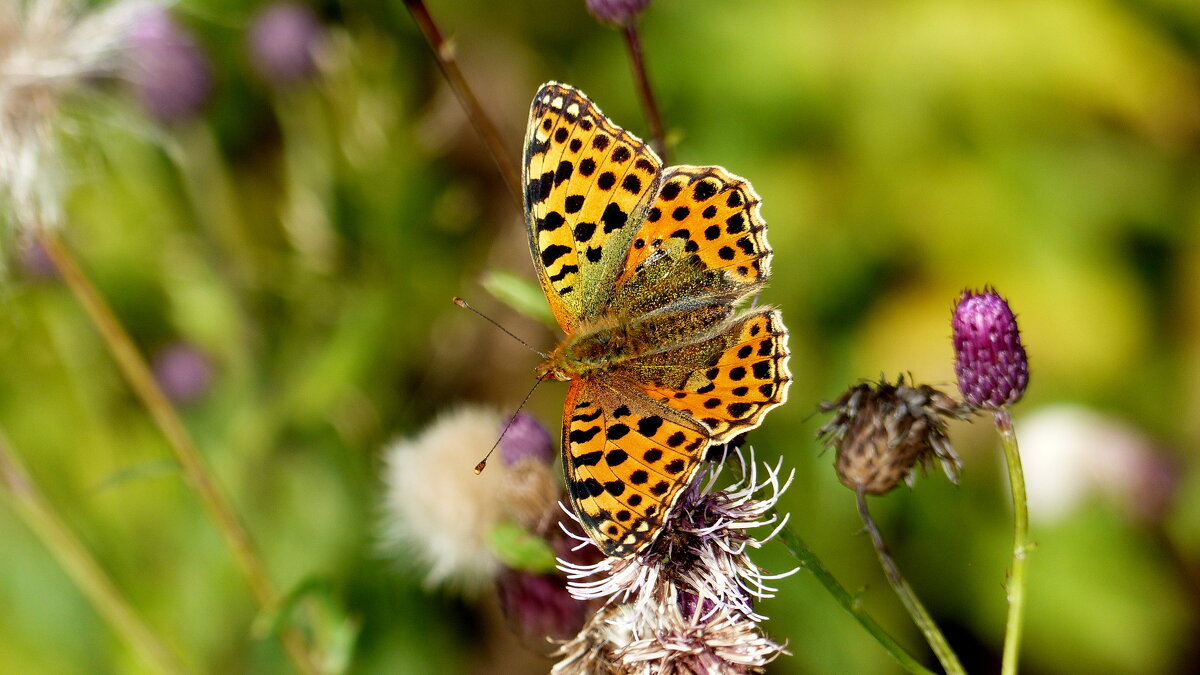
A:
x: 599, y: 347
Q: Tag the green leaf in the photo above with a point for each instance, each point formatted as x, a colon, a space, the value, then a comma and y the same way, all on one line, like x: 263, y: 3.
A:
x: 519, y: 549
x: 521, y: 294
x: 140, y: 471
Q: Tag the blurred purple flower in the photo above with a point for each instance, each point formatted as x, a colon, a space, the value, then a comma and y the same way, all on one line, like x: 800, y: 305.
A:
x: 526, y: 438
x: 170, y: 72
x: 34, y: 261
x: 539, y: 605
x: 989, y: 358
x: 183, y: 371
x: 616, y: 12
x: 283, y: 41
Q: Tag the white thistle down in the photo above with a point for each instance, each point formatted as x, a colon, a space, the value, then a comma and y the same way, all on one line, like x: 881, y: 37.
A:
x: 686, y: 603
x: 437, y: 513
x: 49, y: 48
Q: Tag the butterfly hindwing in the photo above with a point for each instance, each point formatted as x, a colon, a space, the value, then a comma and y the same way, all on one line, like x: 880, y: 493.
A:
x: 588, y: 184
x: 625, y: 463
x: 728, y: 382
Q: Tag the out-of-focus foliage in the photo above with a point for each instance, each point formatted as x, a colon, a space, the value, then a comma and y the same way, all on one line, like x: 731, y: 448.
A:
x: 308, y: 239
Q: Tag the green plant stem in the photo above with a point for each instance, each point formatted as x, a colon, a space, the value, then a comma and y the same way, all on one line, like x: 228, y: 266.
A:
x: 136, y: 371
x: 908, y: 597
x: 810, y: 562
x: 42, y: 518
x: 1016, y: 582
x: 443, y: 52
x: 633, y: 43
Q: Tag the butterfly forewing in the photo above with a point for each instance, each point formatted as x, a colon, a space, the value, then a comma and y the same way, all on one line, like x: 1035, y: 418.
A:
x: 711, y: 214
x: 587, y: 187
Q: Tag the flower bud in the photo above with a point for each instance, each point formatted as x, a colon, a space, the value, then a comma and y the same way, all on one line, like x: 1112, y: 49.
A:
x: 880, y: 431
x: 616, y: 12
x: 989, y: 358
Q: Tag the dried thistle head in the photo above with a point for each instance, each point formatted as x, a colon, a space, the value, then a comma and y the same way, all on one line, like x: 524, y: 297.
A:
x: 880, y: 431
x: 442, y: 515
x: 49, y: 49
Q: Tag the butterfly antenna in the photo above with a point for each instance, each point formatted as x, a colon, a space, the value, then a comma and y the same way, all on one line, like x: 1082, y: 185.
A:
x: 463, y: 303
x: 483, y: 462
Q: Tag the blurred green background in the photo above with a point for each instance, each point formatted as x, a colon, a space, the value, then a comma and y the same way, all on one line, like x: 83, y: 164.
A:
x: 307, y: 242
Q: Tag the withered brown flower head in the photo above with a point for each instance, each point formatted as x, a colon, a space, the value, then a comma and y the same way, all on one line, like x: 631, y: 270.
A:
x: 881, y: 430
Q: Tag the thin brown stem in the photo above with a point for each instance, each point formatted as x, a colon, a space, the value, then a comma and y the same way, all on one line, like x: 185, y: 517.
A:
x: 443, y: 52
x: 908, y: 597
x: 44, y: 520
x: 139, y: 376
x: 645, y: 92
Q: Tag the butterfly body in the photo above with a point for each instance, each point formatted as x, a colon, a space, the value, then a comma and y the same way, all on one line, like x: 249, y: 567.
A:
x: 643, y: 267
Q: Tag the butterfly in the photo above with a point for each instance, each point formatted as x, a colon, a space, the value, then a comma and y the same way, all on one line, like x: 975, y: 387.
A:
x: 643, y: 266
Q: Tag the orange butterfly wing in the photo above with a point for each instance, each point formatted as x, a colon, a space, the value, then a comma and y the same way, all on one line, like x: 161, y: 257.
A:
x: 665, y: 253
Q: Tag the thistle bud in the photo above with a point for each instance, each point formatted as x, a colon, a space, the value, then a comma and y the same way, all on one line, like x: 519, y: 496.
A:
x: 616, y: 12
x: 879, y: 431
x: 989, y: 359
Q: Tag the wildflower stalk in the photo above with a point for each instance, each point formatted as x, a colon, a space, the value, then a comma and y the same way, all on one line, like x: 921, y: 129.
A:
x: 645, y: 92
x: 443, y: 51
x: 137, y: 372
x: 1016, y: 582
x: 810, y: 562
x: 42, y: 518
x: 908, y: 597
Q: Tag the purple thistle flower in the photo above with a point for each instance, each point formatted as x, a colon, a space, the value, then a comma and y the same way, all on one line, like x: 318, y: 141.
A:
x: 283, y: 43
x: 616, y: 12
x: 686, y: 603
x: 989, y: 359
x: 170, y: 72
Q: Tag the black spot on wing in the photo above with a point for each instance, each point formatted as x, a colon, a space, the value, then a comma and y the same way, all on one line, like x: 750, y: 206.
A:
x: 588, y: 458
x: 553, y: 252
x: 613, y: 218
x: 583, y: 435
x: 563, y: 272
